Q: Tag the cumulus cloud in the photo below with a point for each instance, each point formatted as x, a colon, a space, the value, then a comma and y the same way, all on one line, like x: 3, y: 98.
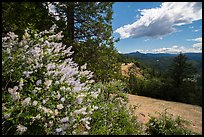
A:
x: 198, y: 44
x: 196, y: 30
x: 174, y: 49
x: 198, y: 39
x: 177, y: 49
x: 158, y: 22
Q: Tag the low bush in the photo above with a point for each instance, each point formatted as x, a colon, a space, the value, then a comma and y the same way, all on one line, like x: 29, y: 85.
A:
x: 114, y: 116
x: 165, y: 124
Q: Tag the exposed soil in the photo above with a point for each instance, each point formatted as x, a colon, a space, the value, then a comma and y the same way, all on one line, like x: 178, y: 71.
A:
x: 148, y: 105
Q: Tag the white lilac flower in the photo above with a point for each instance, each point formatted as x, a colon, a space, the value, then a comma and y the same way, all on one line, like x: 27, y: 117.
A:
x: 59, y: 36
x: 62, y: 99
x: 67, y: 89
x: 12, y: 35
x: 15, y: 96
x: 21, y: 84
x: 38, y: 116
x: 76, y: 89
x: 47, y: 43
x: 89, y: 112
x: 95, y: 107
x: 91, y: 81
x: 50, y: 66
x: 7, y: 115
x: 75, y: 125
x: 68, y: 50
x: 44, y: 101
x: 56, y: 82
x: 36, y: 52
x: 74, y: 132
x: 60, y: 106
x: 26, y: 102
x: 65, y: 119
x: 62, y: 88
x: 41, y: 39
x: 87, y: 127
x: 21, y: 128
x: 58, y: 96
x: 63, y: 78
x: 56, y: 112
x: 51, y: 123
x: 8, y: 50
x: 47, y: 110
x: 26, y: 46
x: 34, y: 91
x: 48, y: 83
x: 94, y: 94
x: 85, y: 133
x: 4, y: 39
x: 39, y: 82
x: 83, y: 67
x: 87, y: 122
x: 35, y: 103
x: 12, y: 90
x: 29, y: 61
x: 58, y: 130
x: 27, y: 73
x: 80, y: 111
x: 79, y: 100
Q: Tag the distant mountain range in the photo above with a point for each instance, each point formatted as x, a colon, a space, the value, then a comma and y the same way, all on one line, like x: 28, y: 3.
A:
x: 161, y: 61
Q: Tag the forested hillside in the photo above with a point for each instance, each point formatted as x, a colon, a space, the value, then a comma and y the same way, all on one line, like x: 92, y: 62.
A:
x: 161, y: 61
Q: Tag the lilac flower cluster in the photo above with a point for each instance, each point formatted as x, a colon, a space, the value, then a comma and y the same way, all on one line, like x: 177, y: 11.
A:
x: 50, y: 86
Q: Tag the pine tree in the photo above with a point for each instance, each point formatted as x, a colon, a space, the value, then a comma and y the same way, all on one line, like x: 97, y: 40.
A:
x: 180, y: 69
x: 88, y: 29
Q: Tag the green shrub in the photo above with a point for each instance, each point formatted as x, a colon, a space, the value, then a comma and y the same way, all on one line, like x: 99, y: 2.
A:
x: 165, y: 124
x: 113, y: 116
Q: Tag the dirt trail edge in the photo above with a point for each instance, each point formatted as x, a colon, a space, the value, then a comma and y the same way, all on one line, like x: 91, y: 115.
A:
x: 148, y: 105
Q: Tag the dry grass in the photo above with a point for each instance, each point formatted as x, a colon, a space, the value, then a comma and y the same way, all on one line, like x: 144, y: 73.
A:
x: 148, y: 105
x: 130, y: 67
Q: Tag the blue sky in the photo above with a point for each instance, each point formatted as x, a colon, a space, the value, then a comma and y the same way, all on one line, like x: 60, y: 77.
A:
x: 156, y: 27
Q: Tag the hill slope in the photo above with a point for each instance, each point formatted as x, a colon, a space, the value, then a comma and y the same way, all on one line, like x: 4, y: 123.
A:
x: 148, y: 105
x: 161, y: 61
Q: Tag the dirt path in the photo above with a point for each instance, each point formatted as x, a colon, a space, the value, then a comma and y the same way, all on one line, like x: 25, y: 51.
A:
x: 148, y: 105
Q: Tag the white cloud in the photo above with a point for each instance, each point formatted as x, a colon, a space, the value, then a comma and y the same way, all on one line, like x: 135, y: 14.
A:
x: 173, y: 50
x: 177, y: 49
x: 196, y: 30
x: 146, y: 40
x: 197, y: 39
x: 158, y: 22
x: 197, y: 45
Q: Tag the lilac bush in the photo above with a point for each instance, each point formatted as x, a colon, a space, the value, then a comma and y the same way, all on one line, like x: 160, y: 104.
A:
x: 46, y: 93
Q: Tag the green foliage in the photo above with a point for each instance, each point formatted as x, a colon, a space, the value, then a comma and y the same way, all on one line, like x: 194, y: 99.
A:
x: 180, y: 69
x: 165, y: 124
x: 106, y: 67
x: 114, y: 117
x: 90, y: 34
x: 135, y: 85
x: 16, y: 17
